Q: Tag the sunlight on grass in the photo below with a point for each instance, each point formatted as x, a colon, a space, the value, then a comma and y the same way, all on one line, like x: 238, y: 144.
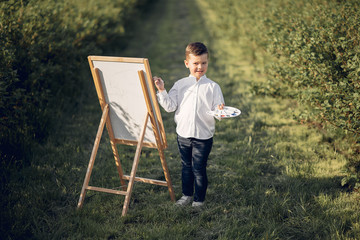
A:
x: 334, y: 166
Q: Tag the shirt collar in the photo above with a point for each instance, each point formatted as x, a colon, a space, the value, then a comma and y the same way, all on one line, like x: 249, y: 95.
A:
x: 202, y: 77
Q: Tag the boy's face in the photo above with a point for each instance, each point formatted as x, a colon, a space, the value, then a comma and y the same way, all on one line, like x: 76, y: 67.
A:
x: 197, y: 65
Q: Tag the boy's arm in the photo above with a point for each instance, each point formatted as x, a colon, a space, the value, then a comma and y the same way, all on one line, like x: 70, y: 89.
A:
x: 218, y: 99
x: 167, y: 101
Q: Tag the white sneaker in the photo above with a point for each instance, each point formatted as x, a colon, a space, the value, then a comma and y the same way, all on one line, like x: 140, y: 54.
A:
x: 197, y: 204
x: 184, y: 200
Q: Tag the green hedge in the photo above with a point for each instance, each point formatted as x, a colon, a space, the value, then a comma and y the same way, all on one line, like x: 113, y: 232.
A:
x: 309, y: 51
x: 44, y: 45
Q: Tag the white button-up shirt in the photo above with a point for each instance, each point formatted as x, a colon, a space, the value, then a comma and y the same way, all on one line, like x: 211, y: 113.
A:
x: 191, y: 99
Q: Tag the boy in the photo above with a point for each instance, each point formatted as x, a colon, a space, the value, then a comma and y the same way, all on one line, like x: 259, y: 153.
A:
x: 191, y: 97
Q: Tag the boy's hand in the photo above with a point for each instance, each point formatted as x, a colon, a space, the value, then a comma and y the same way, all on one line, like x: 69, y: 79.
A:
x: 159, y: 83
x: 221, y: 106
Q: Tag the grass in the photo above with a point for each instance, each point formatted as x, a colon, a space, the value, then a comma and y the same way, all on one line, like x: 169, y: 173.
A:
x: 269, y: 178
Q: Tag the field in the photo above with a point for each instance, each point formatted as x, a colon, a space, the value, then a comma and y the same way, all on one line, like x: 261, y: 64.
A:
x: 269, y: 176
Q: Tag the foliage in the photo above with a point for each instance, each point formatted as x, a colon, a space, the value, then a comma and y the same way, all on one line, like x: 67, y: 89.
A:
x: 44, y: 48
x: 310, y: 52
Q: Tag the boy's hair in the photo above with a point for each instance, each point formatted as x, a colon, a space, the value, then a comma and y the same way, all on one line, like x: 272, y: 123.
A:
x: 196, y: 48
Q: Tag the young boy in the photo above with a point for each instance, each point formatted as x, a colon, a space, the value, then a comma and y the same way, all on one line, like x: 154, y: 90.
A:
x: 191, y: 97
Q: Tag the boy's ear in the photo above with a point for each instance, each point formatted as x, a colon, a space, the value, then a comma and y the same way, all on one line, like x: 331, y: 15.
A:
x: 186, y: 63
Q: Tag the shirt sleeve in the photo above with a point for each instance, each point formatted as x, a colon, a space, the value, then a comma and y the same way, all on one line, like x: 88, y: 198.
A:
x: 168, y: 100
x: 218, y: 97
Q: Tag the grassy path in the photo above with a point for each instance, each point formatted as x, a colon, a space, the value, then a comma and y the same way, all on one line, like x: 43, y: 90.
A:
x: 269, y: 178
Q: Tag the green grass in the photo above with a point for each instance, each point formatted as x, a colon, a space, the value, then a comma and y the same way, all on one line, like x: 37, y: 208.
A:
x: 269, y: 178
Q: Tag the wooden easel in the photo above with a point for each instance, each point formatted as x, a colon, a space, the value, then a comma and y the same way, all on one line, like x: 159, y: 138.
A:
x: 152, y: 113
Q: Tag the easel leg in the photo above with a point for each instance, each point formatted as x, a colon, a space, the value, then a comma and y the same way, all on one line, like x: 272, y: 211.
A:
x: 93, y: 155
x: 117, y: 162
x: 134, y: 168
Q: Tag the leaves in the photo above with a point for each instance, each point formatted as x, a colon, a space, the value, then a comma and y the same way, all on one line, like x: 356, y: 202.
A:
x: 44, y: 47
x: 307, y: 50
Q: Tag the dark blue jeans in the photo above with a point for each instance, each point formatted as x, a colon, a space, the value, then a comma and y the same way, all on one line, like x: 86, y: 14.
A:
x: 194, y: 155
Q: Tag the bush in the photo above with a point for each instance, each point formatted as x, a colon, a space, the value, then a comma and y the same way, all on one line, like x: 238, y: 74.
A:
x: 309, y: 51
x: 44, y: 47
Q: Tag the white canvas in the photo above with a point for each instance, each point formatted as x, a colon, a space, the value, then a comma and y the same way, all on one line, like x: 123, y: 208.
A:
x: 123, y: 92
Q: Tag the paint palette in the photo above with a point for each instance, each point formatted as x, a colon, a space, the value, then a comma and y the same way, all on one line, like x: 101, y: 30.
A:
x: 227, y: 112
